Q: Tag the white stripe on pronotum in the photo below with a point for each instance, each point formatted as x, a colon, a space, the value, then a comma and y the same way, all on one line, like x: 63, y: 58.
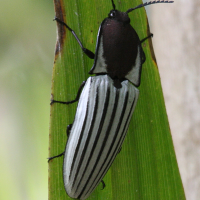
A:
x: 106, y: 103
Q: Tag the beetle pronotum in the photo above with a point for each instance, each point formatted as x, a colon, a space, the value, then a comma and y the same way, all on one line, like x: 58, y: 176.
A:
x: 106, y: 103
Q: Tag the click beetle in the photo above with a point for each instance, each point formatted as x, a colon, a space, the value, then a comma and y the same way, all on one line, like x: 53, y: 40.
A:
x: 106, y: 103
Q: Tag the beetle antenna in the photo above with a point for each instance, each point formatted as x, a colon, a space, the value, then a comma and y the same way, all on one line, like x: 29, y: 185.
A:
x: 148, y: 3
x: 113, y: 5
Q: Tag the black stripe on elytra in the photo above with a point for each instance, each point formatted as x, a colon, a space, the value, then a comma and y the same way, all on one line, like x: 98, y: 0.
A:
x: 98, y: 133
x: 112, y: 145
x: 126, y: 125
x: 104, y: 140
x: 79, y: 141
x: 123, y: 135
x: 88, y: 137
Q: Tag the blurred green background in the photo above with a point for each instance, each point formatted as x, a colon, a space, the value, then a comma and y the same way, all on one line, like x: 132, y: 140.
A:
x: 27, y: 43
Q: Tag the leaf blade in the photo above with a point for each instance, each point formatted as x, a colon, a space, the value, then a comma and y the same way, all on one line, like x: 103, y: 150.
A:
x: 146, y: 168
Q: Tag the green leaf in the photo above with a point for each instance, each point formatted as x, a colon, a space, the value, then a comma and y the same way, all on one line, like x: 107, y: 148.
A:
x: 146, y: 168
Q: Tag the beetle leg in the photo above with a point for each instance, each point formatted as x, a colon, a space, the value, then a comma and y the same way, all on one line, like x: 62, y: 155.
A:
x: 151, y: 35
x: 142, y: 52
x: 119, y: 150
x: 69, y: 102
x: 103, y: 183
x: 143, y: 55
x: 68, y: 130
x: 89, y: 53
x: 51, y: 158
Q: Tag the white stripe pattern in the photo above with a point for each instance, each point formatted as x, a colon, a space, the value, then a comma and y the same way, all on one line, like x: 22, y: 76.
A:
x: 100, y: 125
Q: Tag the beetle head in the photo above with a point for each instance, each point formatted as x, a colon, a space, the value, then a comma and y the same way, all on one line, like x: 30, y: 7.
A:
x: 119, y: 16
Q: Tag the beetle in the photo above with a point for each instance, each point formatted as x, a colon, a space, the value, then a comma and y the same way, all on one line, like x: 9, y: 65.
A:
x: 106, y: 103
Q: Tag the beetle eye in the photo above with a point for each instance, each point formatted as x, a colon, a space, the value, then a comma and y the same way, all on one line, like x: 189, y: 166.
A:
x: 112, y: 14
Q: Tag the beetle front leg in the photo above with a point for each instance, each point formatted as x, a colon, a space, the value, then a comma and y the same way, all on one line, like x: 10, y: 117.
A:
x: 89, y: 53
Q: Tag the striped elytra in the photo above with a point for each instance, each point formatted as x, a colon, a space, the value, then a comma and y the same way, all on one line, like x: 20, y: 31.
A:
x: 106, y: 103
x: 99, y: 128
